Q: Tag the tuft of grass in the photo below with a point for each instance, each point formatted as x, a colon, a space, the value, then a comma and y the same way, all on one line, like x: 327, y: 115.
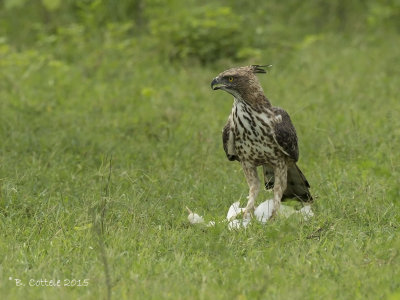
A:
x: 62, y: 119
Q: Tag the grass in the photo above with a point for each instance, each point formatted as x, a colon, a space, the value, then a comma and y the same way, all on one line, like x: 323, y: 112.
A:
x: 65, y: 118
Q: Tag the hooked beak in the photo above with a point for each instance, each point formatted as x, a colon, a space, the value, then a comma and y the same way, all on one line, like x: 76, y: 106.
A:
x: 215, y: 84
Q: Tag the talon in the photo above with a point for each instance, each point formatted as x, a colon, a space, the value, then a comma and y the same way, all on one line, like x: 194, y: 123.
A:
x: 273, y: 215
x: 247, y: 214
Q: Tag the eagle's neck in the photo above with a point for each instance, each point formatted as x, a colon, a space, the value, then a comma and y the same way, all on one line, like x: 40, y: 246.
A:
x: 256, y: 101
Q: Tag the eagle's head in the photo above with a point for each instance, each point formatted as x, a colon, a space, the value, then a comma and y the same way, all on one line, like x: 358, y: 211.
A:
x: 241, y: 82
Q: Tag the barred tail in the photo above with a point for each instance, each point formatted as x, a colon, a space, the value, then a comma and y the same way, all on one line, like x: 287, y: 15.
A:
x: 297, y: 185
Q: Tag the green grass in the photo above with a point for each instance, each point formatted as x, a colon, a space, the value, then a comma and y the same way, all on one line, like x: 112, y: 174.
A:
x: 64, y: 118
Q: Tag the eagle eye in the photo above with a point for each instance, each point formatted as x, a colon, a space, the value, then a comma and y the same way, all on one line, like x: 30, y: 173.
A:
x: 230, y: 78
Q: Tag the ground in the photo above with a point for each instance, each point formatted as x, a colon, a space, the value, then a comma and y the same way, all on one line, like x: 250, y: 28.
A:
x: 65, y: 211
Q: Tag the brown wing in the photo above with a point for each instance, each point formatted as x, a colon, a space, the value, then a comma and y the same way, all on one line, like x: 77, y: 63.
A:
x: 297, y: 184
x: 285, y: 134
x: 225, y: 138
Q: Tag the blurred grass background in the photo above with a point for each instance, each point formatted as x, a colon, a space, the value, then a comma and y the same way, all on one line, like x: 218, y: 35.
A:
x: 83, y: 83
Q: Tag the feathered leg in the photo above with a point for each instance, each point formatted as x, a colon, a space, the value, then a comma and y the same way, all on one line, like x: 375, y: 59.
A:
x: 280, y: 174
x: 254, y: 187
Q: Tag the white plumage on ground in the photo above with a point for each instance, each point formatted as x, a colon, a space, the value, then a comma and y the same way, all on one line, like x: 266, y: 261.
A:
x: 262, y: 213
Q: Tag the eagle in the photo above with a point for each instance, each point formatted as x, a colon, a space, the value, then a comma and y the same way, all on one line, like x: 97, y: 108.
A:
x: 259, y: 134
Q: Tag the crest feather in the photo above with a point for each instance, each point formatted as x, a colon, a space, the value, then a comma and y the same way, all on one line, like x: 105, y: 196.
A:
x: 260, y: 68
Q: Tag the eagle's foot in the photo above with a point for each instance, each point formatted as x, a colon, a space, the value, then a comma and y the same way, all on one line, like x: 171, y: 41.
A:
x: 248, y: 213
x: 274, y: 214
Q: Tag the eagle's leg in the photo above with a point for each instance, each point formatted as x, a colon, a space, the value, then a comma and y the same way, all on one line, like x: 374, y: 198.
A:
x: 254, y: 187
x: 280, y: 174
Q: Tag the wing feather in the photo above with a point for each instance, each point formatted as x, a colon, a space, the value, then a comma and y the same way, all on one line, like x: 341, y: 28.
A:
x: 285, y: 134
x: 226, y: 132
